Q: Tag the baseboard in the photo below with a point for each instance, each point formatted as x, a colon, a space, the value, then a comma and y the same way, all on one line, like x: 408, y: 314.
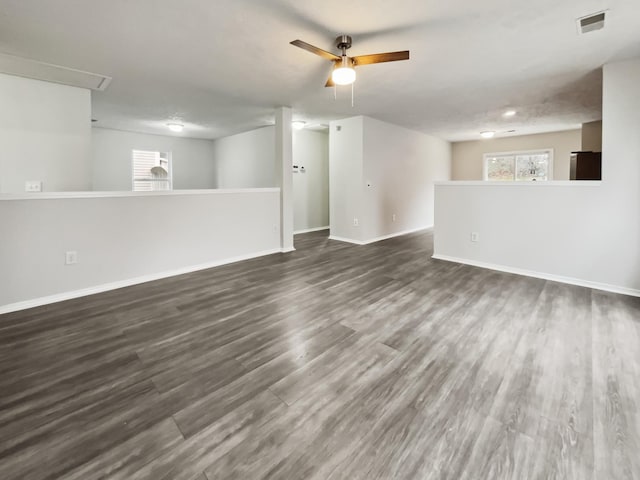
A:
x: 346, y: 240
x: 309, y: 230
x: 545, y: 276
x: 378, y: 239
x: 397, y: 234
x: 60, y: 297
x: 287, y: 250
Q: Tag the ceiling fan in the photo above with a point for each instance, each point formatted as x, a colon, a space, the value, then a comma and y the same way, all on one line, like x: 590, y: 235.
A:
x: 343, y: 66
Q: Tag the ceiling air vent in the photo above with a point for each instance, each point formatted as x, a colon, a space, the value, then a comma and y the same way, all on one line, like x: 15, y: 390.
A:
x: 591, y: 23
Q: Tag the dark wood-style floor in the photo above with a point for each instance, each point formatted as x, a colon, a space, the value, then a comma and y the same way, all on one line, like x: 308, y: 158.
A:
x: 332, y: 362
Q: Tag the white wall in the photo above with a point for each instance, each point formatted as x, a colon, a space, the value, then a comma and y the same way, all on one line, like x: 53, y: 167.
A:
x: 45, y: 135
x: 468, y: 156
x: 192, y: 159
x: 283, y: 140
x: 401, y: 166
x: 592, y: 136
x: 543, y: 228
x: 346, y: 153
x: 311, y: 187
x: 619, y: 207
x: 583, y: 234
x: 379, y: 170
x: 120, y: 239
x: 246, y: 160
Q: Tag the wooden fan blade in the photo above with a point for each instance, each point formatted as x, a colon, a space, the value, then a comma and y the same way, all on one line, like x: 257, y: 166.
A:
x: 380, y: 58
x: 330, y: 82
x: 318, y: 51
x: 330, y: 79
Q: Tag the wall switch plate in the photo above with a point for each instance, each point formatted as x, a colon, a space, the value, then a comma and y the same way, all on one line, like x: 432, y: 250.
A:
x: 33, y: 186
x: 71, y: 258
x: 355, y: 222
x: 393, y: 217
x: 475, y: 236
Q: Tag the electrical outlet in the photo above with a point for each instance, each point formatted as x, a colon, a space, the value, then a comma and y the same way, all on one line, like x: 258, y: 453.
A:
x: 393, y: 217
x: 475, y: 237
x: 71, y: 258
x: 355, y: 222
x: 33, y: 186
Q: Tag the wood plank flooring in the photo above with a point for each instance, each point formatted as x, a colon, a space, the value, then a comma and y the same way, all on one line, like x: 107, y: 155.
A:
x: 332, y: 362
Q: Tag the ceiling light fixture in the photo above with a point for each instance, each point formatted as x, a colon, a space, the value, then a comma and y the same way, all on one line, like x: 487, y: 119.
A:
x: 487, y: 134
x: 175, y: 127
x: 298, y: 124
x: 345, y: 74
x: 509, y: 113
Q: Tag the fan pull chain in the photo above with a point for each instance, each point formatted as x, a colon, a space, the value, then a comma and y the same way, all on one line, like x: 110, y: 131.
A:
x: 352, y: 95
x: 335, y: 92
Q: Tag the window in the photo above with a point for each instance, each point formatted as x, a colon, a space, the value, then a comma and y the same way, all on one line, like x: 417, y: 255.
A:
x: 533, y: 165
x: 151, y: 171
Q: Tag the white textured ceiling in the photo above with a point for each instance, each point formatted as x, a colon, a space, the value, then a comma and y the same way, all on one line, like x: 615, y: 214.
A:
x: 223, y: 65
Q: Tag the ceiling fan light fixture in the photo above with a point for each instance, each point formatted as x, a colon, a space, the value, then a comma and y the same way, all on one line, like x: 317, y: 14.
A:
x: 344, y: 73
x: 343, y: 76
x: 487, y: 134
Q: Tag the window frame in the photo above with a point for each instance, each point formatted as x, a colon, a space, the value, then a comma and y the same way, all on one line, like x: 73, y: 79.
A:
x: 169, y: 178
x: 516, y: 153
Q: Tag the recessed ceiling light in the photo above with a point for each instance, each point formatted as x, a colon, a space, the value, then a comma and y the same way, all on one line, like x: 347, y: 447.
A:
x: 175, y: 127
x: 487, y: 134
x: 509, y: 113
x: 298, y: 124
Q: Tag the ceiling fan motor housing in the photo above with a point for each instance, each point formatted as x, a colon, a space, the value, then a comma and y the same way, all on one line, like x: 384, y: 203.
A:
x: 343, y: 42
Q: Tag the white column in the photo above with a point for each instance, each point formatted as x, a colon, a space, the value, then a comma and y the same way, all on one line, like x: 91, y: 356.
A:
x: 284, y: 163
